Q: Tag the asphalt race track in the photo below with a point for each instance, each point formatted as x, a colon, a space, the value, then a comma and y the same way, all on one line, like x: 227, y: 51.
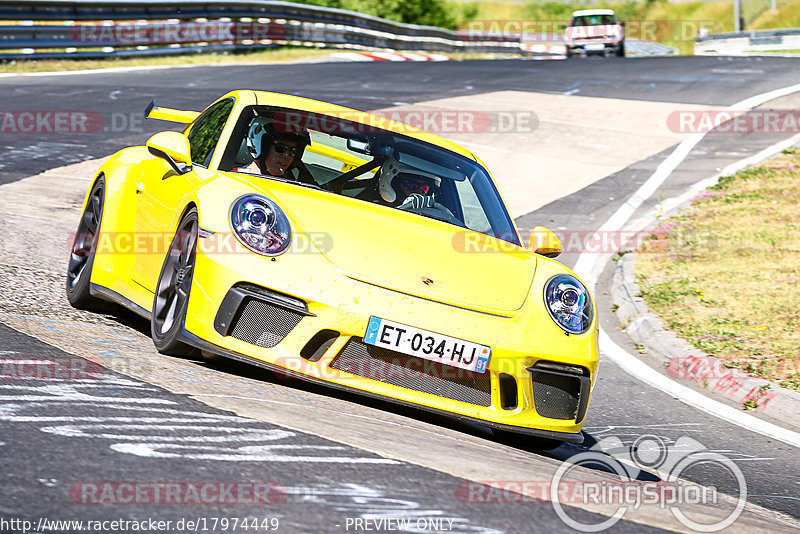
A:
x: 329, y: 460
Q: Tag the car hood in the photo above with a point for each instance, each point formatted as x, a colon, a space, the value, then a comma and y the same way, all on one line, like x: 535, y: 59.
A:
x: 412, y: 254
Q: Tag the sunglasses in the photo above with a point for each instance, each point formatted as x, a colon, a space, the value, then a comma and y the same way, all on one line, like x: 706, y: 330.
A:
x: 415, y: 186
x: 280, y: 148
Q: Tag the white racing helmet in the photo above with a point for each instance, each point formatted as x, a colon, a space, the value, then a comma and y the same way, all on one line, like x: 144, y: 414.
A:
x: 390, y: 170
x: 255, y: 136
x: 264, y: 126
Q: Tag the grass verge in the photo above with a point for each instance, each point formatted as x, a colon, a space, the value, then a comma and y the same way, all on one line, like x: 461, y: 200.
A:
x: 724, y: 273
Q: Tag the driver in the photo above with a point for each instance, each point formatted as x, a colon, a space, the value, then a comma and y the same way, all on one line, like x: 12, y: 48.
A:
x: 274, y: 153
x: 417, y: 191
x: 399, y: 187
x: 402, y: 188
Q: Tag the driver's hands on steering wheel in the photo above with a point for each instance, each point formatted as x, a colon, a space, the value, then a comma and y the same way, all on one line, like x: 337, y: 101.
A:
x: 416, y: 201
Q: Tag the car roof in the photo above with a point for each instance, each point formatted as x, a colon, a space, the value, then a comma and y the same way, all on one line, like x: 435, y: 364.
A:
x: 584, y: 12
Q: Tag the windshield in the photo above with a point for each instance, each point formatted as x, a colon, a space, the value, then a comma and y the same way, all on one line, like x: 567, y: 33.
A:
x: 368, y: 164
x: 593, y: 20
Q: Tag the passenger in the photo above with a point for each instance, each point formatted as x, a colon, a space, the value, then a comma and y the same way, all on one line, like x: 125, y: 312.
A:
x: 274, y: 153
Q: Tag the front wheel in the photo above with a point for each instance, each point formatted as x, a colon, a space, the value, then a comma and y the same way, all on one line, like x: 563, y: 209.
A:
x: 84, y: 248
x: 172, y: 291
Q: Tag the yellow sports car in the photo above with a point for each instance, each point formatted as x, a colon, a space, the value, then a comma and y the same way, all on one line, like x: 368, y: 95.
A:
x: 342, y: 248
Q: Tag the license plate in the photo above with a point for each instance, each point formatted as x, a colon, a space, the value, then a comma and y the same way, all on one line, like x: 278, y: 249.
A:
x: 427, y: 345
x: 594, y: 46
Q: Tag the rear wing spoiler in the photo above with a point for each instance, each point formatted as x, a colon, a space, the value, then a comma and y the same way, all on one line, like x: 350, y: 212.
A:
x: 167, y: 114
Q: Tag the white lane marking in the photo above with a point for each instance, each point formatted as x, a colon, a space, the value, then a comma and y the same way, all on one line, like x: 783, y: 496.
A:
x: 337, y: 412
x: 585, y: 267
x: 159, y: 433
x: 5, y: 352
x: 29, y: 362
x: 250, y: 453
x: 650, y: 376
x: 178, y: 434
x: 373, y: 504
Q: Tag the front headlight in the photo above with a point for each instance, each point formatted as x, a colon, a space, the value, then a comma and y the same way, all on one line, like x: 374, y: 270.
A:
x: 569, y: 304
x: 260, y: 225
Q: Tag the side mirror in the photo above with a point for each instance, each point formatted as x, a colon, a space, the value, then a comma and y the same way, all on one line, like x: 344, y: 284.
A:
x: 563, y: 26
x: 174, y: 148
x: 545, y: 243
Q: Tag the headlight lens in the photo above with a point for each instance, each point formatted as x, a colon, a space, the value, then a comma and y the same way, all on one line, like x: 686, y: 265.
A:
x: 260, y: 225
x: 569, y: 304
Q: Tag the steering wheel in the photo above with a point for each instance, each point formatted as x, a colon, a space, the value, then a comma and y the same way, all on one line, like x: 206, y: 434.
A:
x: 437, y: 211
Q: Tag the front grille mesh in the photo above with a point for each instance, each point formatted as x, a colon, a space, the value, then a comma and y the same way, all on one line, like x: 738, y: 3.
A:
x: 264, y: 324
x: 555, y: 396
x: 411, y: 372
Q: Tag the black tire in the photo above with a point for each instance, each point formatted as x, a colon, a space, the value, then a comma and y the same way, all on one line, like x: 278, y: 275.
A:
x: 82, y: 254
x: 621, y: 50
x: 172, y: 290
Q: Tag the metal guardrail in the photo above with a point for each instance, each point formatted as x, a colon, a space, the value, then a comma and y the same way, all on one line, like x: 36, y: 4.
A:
x: 137, y: 27
x: 747, y: 42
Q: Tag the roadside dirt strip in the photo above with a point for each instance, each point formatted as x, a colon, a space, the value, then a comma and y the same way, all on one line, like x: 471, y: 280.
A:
x: 39, y: 214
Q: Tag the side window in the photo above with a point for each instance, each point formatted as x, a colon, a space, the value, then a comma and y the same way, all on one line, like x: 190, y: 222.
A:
x: 474, y: 214
x: 206, y: 130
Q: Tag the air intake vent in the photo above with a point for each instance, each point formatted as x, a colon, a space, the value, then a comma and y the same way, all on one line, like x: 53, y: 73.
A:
x: 411, y: 372
x: 264, y: 324
x: 560, y: 391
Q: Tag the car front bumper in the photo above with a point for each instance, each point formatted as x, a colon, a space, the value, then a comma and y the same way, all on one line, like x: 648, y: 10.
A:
x: 302, y: 317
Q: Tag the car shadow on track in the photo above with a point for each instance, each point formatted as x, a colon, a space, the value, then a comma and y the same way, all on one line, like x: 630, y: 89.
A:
x: 517, y: 441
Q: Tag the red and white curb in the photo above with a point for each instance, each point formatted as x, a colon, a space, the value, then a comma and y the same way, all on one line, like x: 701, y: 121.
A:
x: 540, y: 48
x: 390, y: 56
